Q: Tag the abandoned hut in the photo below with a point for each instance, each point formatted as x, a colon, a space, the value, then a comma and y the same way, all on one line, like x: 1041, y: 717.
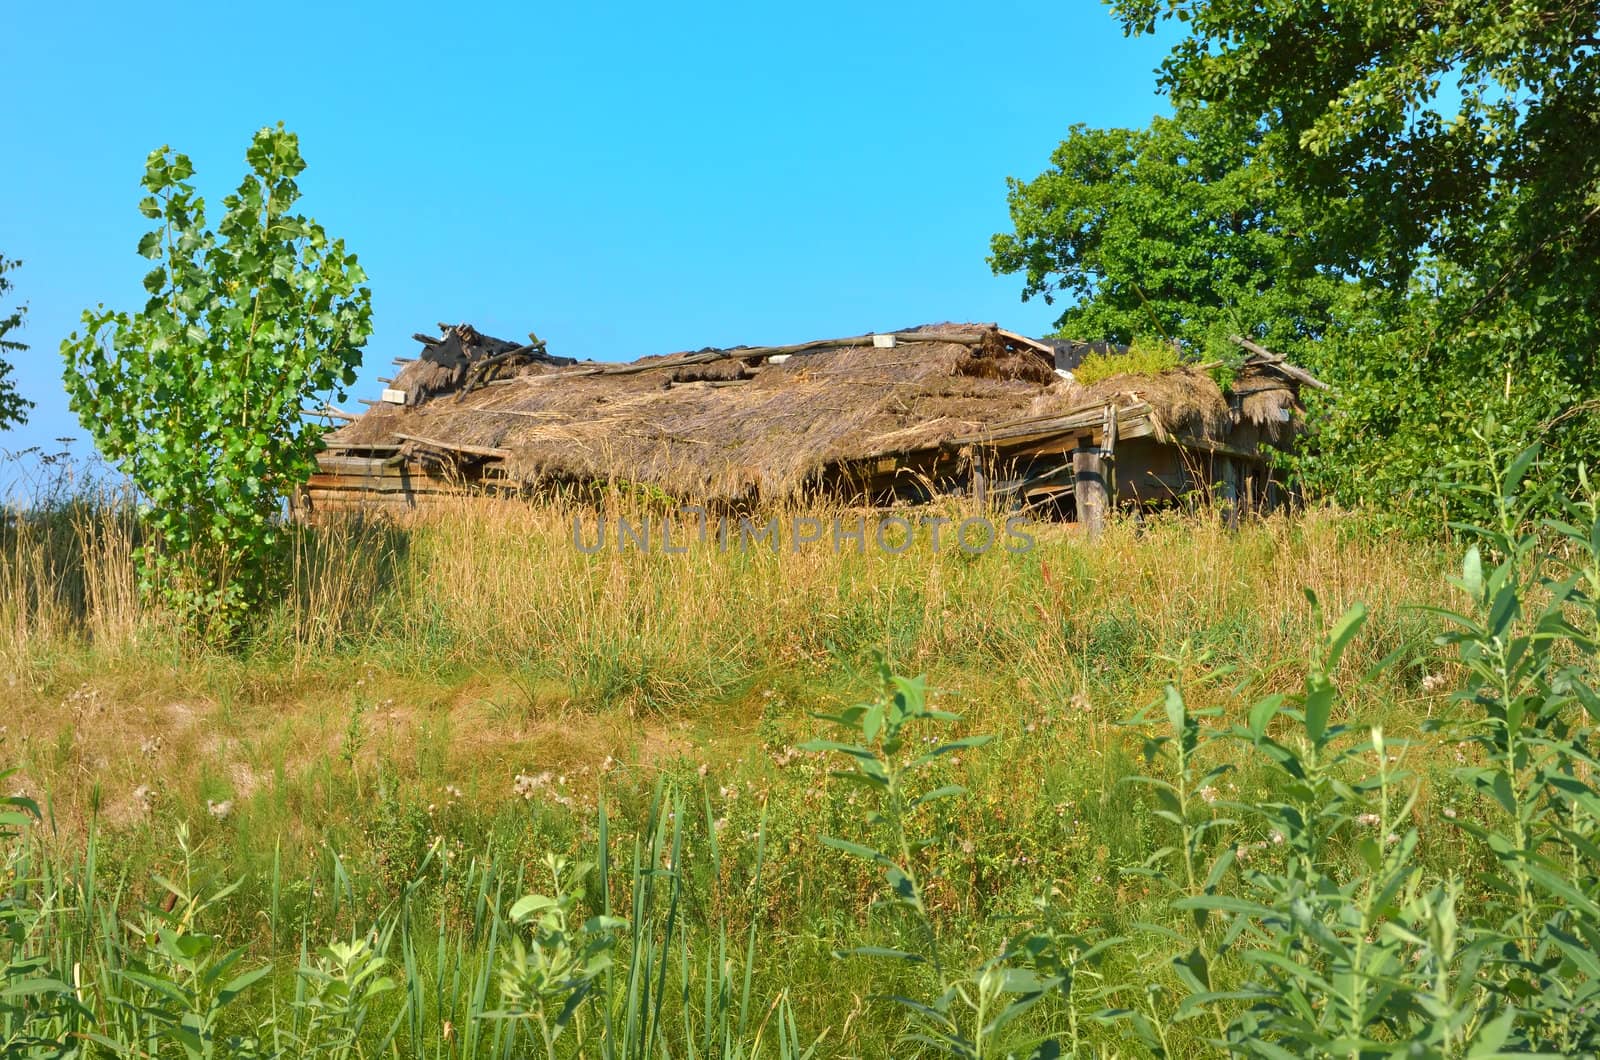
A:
x: 886, y: 418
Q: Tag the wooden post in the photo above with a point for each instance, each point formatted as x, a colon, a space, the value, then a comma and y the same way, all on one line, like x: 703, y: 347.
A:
x: 980, y: 486
x: 1230, y: 492
x: 1089, y: 488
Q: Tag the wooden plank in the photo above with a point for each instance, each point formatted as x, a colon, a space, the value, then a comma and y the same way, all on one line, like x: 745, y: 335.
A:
x: 361, y: 447
x: 458, y: 447
x: 1056, y: 479
x: 384, y: 488
x: 357, y: 464
x: 1032, y: 344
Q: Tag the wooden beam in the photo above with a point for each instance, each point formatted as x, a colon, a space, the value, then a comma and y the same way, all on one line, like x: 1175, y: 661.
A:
x: 1032, y: 344
x: 1206, y: 445
x: 331, y: 413
x: 362, y: 447
x: 1299, y: 375
x: 458, y: 447
x: 1089, y: 486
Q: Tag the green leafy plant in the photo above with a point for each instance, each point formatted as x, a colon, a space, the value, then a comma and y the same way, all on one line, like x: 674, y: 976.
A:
x: 1329, y: 938
x: 39, y: 1011
x: 198, y: 395
x: 340, y: 987
x: 972, y: 1007
x: 174, y: 983
x: 547, y: 978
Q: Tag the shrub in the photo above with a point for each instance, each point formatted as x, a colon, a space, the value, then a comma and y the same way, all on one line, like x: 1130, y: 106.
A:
x: 198, y: 395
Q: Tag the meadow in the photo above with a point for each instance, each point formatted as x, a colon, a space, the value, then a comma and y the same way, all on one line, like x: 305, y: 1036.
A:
x: 468, y: 791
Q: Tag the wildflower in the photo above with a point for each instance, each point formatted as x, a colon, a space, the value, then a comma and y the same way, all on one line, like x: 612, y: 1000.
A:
x: 142, y: 795
x: 704, y: 769
x: 150, y: 746
x: 529, y: 786
x: 220, y: 810
x: 1277, y: 838
x: 1391, y: 839
x: 1370, y: 820
x: 1449, y: 811
x: 1209, y: 794
x: 1434, y: 682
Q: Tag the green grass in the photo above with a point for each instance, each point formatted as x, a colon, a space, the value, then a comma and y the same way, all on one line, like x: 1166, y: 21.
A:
x: 369, y: 739
x: 1143, y: 357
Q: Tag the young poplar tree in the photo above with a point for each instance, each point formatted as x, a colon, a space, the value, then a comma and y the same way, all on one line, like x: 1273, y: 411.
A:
x: 197, y: 396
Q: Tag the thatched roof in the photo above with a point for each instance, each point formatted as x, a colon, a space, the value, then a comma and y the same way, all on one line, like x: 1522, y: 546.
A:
x: 745, y: 422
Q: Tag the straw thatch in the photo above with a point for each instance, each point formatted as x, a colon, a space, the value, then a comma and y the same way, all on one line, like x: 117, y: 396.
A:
x: 739, y: 424
x: 1187, y: 399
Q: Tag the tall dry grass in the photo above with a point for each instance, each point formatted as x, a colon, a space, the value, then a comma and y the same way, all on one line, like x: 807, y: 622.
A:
x: 475, y: 580
x: 67, y: 576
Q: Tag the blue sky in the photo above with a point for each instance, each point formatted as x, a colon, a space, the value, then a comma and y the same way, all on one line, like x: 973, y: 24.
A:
x: 622, y: 178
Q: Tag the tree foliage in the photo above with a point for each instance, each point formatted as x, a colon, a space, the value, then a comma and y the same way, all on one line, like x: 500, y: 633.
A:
x: 197, y: 396
x: 1404, y: 195
x: 1448, y: 156
x: 1412, y: 129
x: 13, y: 406
x: 1178, y: 230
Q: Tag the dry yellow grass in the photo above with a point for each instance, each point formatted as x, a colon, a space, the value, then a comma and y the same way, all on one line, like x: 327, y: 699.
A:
x: 475, y: 642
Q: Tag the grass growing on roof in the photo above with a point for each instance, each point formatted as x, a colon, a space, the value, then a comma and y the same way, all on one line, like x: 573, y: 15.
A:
x: 1143, y: 357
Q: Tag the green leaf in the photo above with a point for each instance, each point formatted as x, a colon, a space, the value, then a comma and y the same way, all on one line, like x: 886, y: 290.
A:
x: 1319, y: 704
x: 1344, y: 631
x: 1263, y: 712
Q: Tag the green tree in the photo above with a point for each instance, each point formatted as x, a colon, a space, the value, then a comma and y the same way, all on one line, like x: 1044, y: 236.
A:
x: 1179, y: 229
x: 13, y: 406
x: 198, y: 395
x: 1448, y: 156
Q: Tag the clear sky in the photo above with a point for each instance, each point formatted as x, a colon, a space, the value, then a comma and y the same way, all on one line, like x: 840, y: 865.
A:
x: 621, y: 178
